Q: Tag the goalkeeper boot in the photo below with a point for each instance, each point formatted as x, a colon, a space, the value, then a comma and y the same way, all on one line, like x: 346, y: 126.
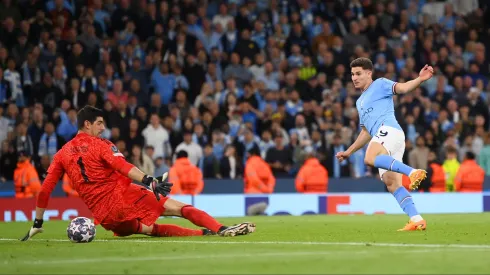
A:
x: 237, y: 230
x: 414, y: 226
x: 416, y: 177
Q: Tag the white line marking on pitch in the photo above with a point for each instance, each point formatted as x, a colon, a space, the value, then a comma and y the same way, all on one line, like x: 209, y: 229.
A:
x: 184, y: 257
x: 162, y: 240
x: 362, y: 253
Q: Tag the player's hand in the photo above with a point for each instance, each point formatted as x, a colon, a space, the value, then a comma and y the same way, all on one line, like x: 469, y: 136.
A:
x: 341, y: 156
x: 426, y: 72
x: 36, y: 228
x: 158, y: 185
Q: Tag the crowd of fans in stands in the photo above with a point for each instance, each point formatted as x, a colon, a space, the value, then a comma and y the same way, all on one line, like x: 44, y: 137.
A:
x: 217, y: 78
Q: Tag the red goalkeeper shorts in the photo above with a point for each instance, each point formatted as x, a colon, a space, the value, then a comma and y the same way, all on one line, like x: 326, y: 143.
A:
x: 137, y: 203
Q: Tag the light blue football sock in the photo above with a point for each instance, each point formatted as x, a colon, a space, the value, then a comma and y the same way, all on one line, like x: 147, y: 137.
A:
x: 405, y: 201
x: 389, y: 163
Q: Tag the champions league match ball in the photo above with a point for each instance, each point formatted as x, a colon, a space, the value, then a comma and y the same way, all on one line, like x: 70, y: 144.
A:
x: 81, y: 230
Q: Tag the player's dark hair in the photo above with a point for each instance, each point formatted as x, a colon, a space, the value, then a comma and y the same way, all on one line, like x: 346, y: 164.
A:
x: 88, y: 113
x: 182, y: 154
x: 364, y: 63
x: 470, y: 155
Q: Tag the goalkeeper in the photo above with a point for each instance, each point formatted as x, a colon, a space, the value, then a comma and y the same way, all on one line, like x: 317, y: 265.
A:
x: 103, y: 179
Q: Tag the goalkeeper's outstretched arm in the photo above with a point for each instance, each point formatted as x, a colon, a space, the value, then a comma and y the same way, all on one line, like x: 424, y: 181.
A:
x: 55, y: 171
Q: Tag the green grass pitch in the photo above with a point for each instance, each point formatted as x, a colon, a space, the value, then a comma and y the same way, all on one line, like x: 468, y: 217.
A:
x: 456, y: 244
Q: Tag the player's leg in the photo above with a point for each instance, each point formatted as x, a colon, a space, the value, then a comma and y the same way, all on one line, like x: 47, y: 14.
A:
x: 137, y: 214
x: 203, y: 219
x: 131, y: 227
x: 378, y: 156
x: 394, y: 185
x: 395, y: 147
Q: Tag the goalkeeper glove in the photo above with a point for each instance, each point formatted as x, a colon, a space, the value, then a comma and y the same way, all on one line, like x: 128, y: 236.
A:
x: 158, y: 185
x: 36, y: 228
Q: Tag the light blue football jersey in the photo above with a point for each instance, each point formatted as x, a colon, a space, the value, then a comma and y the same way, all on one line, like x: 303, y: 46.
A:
x: 375, y: 106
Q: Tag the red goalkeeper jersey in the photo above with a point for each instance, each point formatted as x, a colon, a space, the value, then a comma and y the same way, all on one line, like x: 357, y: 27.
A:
x: 97, y: 169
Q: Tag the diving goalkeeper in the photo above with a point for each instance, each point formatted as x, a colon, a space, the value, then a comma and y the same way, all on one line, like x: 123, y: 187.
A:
x: 103, y: 179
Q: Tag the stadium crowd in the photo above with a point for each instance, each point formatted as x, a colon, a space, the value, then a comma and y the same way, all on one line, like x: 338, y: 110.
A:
x: 220, y: 78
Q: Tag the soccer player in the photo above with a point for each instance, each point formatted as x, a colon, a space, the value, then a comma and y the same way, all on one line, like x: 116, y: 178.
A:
x: 103, y: 179
x: 385, y: 136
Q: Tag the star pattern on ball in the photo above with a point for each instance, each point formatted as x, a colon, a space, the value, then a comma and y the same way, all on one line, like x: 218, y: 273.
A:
x: 81, y: 230
x: 85, y: 237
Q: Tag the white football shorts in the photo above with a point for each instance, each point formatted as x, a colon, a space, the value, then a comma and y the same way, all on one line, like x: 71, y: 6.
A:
x: 393, y: 140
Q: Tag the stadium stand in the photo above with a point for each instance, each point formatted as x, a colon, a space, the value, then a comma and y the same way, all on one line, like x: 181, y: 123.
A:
x: 218, y: 78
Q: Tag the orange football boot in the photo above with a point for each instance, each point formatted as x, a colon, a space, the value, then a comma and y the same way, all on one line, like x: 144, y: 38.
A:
x: 416, y: 177
x: 414, y: 226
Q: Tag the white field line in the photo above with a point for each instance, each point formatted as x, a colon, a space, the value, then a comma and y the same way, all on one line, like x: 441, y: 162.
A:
x: 162, y: 240
x: 363, y: 253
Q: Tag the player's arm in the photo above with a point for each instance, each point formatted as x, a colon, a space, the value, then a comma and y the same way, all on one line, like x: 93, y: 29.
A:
x: 109, y: 154
x: 55, y: 171
x: 363, y: 138
x: 403, y: 88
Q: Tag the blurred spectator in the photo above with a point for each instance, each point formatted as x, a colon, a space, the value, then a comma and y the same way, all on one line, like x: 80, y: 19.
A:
x: 13, y: 77
x: 117, y: 94
x: 470, y: 176
x: 26, y: 180
x: 312, y: 177
x: 276, y: 67
x: 8, y: 161
x: 451, y: 167
x: 258, y: 177
x: 484, y: 156
x: 279, y: 157
x: 23, y: 142
x: 50, y: 142
x: 193, y: 150
x: 436, y: 176
x: 209, y: 163
x: 335, y: 168
x: 134, y: 136
x: 230, y: 166
x: 418, y: 156
x: 68, y: 126
x: 42, y: 168
x: 186, y: 177
x: 4, y: 125
x: 157, y: 136
x: 162, y: 165
x: 141, y: 160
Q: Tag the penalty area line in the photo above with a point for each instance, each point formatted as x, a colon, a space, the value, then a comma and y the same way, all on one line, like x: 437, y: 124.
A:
x: 374, y: 244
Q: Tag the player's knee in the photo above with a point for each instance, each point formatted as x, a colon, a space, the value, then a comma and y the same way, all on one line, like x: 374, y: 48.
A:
x: 368, y: 160
x: 173, y: 208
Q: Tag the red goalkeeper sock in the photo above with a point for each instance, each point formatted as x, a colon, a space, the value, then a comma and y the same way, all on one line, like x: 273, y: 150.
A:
x: 200, y: 218
x: 170, y: 230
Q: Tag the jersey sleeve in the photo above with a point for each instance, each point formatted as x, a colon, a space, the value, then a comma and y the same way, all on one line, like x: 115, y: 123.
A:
x: 388, y: 86
x: 55, y: 171
x: 111, y: 155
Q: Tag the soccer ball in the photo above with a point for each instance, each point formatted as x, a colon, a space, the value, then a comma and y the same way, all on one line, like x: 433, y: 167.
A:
x: 81, y: 230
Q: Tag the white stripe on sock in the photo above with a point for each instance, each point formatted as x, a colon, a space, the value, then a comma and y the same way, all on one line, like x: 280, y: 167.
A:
x: 391, y: 165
